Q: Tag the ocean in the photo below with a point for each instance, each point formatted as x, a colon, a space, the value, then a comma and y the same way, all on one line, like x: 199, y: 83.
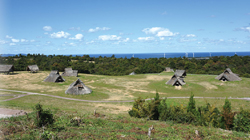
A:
x: 159, y: 55
x: 171, y: 55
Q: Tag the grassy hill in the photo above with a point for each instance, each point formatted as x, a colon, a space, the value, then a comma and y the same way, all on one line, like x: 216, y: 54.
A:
x: 117, y: 123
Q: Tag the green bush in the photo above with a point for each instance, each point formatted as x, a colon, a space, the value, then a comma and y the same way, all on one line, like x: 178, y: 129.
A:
x: 146, y: 109
x: 208, y: 116
x: 242, y: 121
x: 43, y: 117
x: 227, y: 116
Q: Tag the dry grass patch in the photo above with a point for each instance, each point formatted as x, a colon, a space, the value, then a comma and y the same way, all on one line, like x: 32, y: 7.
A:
x: 207, y: 85
x: 113, y: 109
x: 158, y: 77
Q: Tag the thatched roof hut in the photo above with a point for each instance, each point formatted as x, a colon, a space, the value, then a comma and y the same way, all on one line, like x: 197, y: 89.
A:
x: 168, y: 69
x: 228, y: 75
x: 78, y: 88
x: 132, y: 73
x: 32, y: 68
x: 54, y: 72
x: 180, y: 73
x: 176, y: 81
x: 6, y: 69
x: 54, y: 78
x: 70, y: 72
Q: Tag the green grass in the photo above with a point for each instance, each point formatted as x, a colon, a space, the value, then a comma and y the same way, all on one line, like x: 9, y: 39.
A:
x: 107, y: 127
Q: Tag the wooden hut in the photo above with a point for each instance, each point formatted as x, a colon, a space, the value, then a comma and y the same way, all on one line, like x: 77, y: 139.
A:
x: 6, y: 69
x: 132, y: 73
x: 70, y: 72
x: 228, y: 75
x: 168, y: 69
x: 78, y: 88
x: 180, y: 73
x: 54, y: 72
x: 54, y: 77
x: 176, y: 81
x: 32, y: 68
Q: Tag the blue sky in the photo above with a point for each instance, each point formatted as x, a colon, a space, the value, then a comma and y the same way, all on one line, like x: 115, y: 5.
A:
x: 123, y: 26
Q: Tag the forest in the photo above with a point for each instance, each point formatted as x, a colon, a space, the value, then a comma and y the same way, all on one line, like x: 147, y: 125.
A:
x: 123, y: 66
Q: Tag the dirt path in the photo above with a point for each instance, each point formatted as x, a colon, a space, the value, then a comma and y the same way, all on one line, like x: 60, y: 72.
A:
x: 32, y: 93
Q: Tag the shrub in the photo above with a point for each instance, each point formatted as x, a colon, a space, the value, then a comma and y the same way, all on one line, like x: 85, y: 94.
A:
x: 163, y: 110
x: 227, y: 116
x: 242, y: 121
x: 43, y: 117
x: 143, y: 109
x: 208, y: 116
x: 191, y: 105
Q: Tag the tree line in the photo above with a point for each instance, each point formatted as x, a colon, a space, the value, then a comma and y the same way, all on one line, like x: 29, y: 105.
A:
x: 123, y: 66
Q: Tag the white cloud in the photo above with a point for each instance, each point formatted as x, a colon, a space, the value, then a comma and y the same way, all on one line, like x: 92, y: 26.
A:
x: 3, y: 42
x: 47, y: 28
x: 61, y: 34
x: 145, y: 38
x: 186, y: 40
x: 72, y: 44
x: 32, y: 40
x: 162, y: 38
x: 190, y: 35
x: 12, y: 44
x: 23, y: 40
x: 75, y: 28
x: 246, y: 29
x: 7, y: 36
x: 77, y: 37
x: 15, y: 40
x: 109, y: 37
x: 126, y: 40
x: 90, y: 42
x: 159, y: 31
x: 98, y: 29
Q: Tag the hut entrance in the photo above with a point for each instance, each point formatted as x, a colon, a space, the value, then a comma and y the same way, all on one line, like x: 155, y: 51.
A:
x: 223, y: 78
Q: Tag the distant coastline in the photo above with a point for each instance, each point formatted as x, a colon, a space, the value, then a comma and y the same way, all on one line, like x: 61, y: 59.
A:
x: 157, y: 55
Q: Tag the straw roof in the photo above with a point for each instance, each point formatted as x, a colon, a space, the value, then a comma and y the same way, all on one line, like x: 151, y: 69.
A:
x: 54, y: 78
x: 176, y: 81
x: 180, y: 73
x: 54, y: 72
x: 168, y: 69
x: 6, y: 68
x: 32, y: 68
x: 78, y: 88
x: 132, y: 73
x: 70, y: 72
x: 228, y: 75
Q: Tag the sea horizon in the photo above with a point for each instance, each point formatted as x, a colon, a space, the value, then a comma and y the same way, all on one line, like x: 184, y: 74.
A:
x: 152, y: 55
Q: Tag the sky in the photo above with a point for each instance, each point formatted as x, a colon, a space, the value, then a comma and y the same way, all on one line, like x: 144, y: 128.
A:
x: 123, y: 26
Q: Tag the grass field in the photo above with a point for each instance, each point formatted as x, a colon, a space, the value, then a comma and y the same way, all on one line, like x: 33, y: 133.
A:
x: 117, y: 123
x: 120, y: 88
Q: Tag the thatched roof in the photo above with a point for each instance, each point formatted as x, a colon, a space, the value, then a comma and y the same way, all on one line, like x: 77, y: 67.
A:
x: 70, y: 72
x: 32, y: 68
x: 54, y: 78
x: 168, y: 69
x: 132, y: 73
x: 176, y: 81
x: 78, y: 88
x: 228, y: 75
x: 54, y: 72
x: 180, y: 73
x: 6, y: 68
